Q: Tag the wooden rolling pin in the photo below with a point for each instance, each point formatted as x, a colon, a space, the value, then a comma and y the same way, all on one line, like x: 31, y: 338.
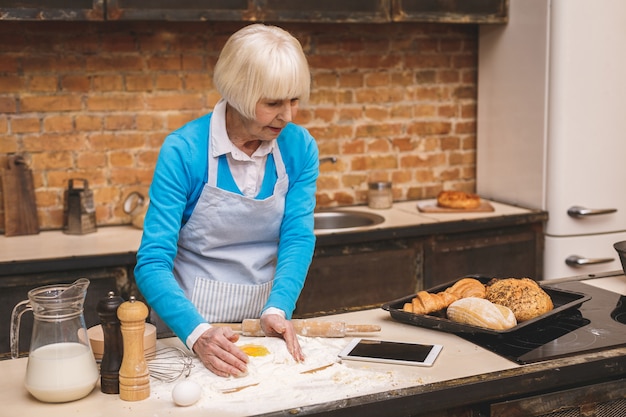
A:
x: 310, y: 328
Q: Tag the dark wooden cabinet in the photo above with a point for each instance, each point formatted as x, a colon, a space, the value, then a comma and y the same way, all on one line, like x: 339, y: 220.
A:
x: 603, y: 399
x: 515, y: 251
x: 331, y: 11
x: 181, y: 10
x: 255, y: 10
x: 446, y: 11
x: 324, y: 11
x: 52, y: 9
x: 356, y: 276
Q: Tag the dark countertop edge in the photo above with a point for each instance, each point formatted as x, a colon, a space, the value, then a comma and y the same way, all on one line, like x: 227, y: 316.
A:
x: 542, y: 377
x: 425, y: 229
x: 67, y: 263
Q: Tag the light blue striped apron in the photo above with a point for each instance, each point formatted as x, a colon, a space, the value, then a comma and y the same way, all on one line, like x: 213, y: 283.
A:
x: 227, y: 250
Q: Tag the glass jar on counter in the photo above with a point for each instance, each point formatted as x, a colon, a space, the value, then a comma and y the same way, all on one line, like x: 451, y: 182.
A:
x: 379, y: 195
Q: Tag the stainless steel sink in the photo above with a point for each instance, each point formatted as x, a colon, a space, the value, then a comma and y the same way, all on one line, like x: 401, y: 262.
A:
x: 343, y: 219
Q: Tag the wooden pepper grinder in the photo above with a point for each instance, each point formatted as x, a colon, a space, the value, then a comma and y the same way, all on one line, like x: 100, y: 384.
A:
x: 113, y: 344
x: 134, y: 375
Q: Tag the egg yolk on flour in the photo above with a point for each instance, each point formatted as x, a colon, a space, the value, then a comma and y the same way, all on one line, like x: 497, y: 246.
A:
x: 255, y: 350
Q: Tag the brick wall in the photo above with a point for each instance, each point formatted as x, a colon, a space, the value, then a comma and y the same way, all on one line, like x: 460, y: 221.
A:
x: 95, y: 101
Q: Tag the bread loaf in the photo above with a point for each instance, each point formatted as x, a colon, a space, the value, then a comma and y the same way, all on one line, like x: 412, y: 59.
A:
x: 458, y: 200
x: 482, y: 313
x: 523, y: 296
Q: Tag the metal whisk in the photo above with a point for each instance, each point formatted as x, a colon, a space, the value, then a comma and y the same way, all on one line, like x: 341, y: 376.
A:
x: 169, y: 364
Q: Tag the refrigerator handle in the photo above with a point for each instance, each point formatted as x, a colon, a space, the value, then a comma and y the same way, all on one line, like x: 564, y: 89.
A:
x: 578, y: 261
x: 578, y: 211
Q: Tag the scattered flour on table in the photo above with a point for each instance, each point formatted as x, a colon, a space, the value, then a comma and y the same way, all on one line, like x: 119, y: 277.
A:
x: 280, y: 383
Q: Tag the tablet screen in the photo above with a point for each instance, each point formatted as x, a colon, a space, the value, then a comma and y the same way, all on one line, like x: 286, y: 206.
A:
x: 388, y: 351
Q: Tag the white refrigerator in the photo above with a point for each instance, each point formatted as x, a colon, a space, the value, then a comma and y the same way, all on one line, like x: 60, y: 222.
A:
x: 551, y: 125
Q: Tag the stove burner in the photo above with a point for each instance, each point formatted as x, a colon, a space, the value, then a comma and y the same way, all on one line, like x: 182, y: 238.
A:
x: 591, y: 327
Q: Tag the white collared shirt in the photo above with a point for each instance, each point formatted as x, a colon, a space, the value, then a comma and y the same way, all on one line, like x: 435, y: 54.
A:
x: 247, y: 171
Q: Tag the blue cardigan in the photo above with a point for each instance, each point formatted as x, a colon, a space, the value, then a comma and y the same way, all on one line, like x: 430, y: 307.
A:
x: 179, y: 177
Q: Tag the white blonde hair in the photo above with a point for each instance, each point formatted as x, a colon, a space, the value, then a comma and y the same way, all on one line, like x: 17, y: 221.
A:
x: 261, y: 62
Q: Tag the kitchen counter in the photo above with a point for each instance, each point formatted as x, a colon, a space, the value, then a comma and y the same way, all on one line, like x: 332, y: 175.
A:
x: 405, y: 220
x: 463, y: 374
x: 117, y: 245
x: 124, y: 240
x: 53, y: 250
x: 56, y: 244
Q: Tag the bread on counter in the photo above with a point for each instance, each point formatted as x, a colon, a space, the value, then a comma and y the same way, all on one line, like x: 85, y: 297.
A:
x: 458, y: 200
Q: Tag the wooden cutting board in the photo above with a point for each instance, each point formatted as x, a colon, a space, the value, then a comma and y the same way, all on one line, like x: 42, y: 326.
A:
x: 18, y: 192
x: 432, y: 207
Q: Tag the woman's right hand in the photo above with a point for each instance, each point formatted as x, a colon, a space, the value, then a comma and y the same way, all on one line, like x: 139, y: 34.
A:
x: 216, y: 349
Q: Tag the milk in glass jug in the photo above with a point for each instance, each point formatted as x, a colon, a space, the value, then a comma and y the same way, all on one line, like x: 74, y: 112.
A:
x: 61, y: 366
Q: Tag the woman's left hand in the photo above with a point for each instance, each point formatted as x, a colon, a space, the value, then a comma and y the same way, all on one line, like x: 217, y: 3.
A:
x: 277, y: 326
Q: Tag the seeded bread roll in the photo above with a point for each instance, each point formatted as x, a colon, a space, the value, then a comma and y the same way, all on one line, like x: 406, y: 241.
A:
x: 458, y: 200
x: 523, y: 296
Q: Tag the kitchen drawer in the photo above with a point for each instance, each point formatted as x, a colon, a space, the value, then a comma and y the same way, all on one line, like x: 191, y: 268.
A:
x: 353, y: 277
x: 606, y: 399
x: 504, y: 252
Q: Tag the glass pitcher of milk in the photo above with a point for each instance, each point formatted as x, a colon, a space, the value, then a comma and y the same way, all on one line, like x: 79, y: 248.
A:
x: 61, y: 366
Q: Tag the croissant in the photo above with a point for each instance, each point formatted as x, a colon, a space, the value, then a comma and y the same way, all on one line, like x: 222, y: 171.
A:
x: 425, y: 302
x: 468, y: 287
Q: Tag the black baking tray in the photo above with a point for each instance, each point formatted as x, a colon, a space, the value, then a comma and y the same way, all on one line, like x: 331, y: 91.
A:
x: 563, y: 300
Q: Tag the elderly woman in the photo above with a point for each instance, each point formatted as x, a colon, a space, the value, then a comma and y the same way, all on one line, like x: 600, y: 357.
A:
x: 229, y: 231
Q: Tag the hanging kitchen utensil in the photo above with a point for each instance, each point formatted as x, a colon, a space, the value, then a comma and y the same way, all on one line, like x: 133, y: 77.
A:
x: 20, y: 208
x: 136, y: 206
x: 79, y: 212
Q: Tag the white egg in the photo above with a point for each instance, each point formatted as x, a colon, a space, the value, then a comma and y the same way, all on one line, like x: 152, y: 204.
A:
x: 186, y: 393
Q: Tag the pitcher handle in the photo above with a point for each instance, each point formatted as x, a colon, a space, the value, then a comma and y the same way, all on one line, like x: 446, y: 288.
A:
x: 16, y: 315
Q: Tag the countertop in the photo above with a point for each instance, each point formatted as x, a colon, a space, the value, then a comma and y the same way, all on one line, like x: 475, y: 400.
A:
x: 463, y: 370
x: 125, y: 240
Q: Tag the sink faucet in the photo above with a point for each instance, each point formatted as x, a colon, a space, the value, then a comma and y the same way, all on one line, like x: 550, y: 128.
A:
x: 332, y: 159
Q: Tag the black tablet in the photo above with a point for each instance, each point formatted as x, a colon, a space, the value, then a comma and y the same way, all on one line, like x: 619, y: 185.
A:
x: 384, y: 351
